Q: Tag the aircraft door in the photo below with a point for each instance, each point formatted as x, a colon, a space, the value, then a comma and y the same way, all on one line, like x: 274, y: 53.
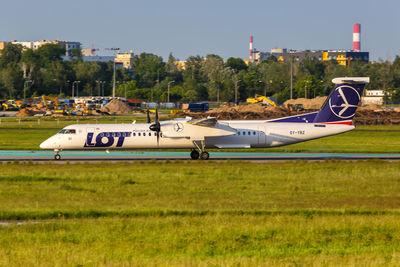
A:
x: 262, y: 138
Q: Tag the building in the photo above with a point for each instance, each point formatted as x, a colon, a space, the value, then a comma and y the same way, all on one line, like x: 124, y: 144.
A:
x: 93, y: 58
x: 376, y: 97
x: 125, y: 59
x: 36, y: 44
x: 180, y: 65
x: 342, y: 57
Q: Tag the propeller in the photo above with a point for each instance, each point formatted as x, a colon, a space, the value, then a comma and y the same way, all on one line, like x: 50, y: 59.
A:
x: 148, y: 116
x: 156, y: 126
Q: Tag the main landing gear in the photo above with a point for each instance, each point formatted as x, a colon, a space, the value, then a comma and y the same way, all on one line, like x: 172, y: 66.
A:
x: 56, y: 155
x: 204, y: 155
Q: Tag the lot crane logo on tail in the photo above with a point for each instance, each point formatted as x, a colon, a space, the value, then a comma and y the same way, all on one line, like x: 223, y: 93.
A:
x: 344, y: 102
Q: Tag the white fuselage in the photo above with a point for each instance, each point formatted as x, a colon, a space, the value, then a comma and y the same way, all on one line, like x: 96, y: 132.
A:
x: 243, y: 134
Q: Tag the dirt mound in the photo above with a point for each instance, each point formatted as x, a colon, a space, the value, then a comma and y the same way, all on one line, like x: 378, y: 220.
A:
x: 117, y: 107
x: 314, y: 103
x: 258, y: 108
x: 25, y: 113
x: 370, y: 107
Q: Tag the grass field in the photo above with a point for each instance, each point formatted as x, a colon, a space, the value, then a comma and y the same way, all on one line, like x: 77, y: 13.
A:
x: 200, y: 213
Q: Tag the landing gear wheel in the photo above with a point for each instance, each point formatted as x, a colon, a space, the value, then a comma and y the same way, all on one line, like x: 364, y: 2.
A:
x: 57, y: 157
x: 194, y: 154
x: 204, y: 155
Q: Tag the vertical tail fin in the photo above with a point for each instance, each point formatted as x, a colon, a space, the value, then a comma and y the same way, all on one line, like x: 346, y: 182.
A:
x: 341, y: 104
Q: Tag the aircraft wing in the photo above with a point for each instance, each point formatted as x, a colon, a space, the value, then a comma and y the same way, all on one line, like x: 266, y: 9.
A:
x: 206, y: 122
x: 196, y: 129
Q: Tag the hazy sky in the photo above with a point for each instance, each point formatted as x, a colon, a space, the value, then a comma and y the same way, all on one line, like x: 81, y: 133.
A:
x: 221, y: 27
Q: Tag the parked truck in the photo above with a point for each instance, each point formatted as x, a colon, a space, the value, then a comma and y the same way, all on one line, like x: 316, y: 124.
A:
x: 200, y: 107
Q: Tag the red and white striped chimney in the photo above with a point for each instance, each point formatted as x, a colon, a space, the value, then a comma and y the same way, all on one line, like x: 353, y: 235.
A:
x: 251, y: 47
x: 356, y: 37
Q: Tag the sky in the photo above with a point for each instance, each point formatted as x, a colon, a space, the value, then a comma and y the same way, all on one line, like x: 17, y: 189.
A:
x: 223, y: 27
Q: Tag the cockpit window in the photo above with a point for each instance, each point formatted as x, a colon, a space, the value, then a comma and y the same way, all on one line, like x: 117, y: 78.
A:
x: 67, y: 131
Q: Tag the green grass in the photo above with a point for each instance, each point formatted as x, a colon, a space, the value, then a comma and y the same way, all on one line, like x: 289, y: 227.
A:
x: 200, y: 213
x: 198, y: 186
x: 59, y: 123
x: 215, y: 240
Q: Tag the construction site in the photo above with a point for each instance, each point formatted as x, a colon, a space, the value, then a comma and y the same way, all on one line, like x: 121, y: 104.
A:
x: 257, y: 108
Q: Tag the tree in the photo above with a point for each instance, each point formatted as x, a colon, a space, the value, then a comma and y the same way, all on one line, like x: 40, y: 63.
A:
x: 11, y: 54
x: 236, y: 64
x: 149, y: 70
x: 309, y: 87
x: 12, y: 79
x: 50, y: 52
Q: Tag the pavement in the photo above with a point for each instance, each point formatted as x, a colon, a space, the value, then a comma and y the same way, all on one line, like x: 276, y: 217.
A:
x: 43, y: 155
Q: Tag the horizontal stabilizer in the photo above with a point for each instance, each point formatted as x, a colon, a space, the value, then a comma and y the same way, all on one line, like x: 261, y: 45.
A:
x: 351, y: 80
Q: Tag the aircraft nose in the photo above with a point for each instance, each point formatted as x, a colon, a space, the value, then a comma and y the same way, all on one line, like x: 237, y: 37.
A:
x: 48, y: 144
x: 44, y: 144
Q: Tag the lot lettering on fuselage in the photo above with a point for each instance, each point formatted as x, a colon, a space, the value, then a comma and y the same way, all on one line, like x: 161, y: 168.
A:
x: 106, y: 139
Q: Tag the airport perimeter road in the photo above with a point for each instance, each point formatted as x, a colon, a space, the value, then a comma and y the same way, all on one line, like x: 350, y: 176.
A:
x: 24, y: 155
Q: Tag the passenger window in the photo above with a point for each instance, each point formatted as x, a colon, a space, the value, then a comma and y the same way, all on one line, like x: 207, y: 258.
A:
x: 249, y: 133
x: 238, y: 133
x: 244, y: 133
x: 254, y: 133
x: 138, y: 134
x: 144, y: 134
x: 134, y: 134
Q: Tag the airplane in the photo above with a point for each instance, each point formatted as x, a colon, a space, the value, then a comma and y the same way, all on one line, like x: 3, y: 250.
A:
x: 334, y: 117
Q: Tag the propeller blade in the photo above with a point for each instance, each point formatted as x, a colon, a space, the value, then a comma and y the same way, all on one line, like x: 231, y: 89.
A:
x: 148, y: 116
x: 156, y: 126
x: 157, y: 122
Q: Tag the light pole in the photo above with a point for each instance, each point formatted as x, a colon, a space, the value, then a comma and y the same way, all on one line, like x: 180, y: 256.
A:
x: 101, y: 86
x: 305, y: 88
x: 236, y: 91
x: 169, y: 83
x: 77, y: 88
x: 26, y: 86
x: 113, y: 93
x: 291, y: 77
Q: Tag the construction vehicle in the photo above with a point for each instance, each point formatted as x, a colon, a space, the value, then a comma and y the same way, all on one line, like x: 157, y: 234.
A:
x: 81, y: 109
x: 296, y: 107
x: 262, y: 99
x: 201, y: 107
x: 10, y: 105
x: 55, y: 104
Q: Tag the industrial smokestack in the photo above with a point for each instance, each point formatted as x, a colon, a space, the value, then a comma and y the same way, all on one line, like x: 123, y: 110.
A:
x: 251, y: 47
x: 357, y: 37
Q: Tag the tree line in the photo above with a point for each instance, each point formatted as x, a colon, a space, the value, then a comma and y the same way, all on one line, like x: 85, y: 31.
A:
x: 29, y: 73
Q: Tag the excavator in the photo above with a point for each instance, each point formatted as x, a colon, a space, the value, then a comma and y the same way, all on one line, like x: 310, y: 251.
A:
x: 57, y: 106
x: 261, y: 98
x: 10, y: 105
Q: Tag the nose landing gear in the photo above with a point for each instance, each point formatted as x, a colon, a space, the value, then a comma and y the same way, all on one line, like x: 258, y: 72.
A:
x: 57, y: 156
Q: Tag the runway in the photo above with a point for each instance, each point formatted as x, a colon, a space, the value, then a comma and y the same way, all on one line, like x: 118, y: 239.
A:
x: 39, y: 155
